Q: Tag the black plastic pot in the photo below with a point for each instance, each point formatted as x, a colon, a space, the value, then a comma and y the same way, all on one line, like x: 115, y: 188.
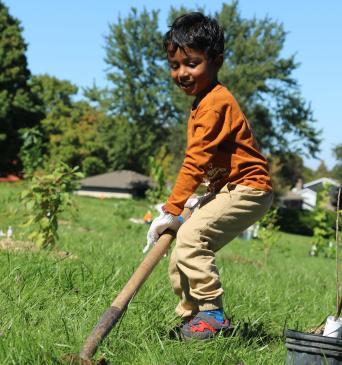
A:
x: 308, y: 349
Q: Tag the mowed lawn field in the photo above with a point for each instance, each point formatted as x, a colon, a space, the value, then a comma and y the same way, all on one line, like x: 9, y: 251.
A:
x: 50, y: 302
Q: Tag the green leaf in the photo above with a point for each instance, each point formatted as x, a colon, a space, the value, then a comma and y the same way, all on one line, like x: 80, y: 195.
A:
x: 30, y: 204
x: 29, y: 222
x: 39, y: 240
x: 44, y: 222
x: 25, y: 194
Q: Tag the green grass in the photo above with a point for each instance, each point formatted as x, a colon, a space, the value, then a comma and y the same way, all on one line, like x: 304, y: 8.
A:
x: 50, y: 303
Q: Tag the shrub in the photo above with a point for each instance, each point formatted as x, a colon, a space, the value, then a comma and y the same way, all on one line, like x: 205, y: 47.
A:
x: 92, y: 165
x: 268, y: 233
x: 301, y: 221
x: 323, y: 232
x: 47, y: 196
x: 295, y: 221
x: 159, y: 191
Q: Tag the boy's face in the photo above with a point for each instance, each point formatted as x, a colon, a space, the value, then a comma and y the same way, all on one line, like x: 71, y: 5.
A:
x: 192, y: 71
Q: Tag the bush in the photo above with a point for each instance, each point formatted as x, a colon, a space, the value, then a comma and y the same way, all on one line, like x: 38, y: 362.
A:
x: 300, y: 221
x: 46, y: 197
x: 159, y: 192
x: 92, y: 166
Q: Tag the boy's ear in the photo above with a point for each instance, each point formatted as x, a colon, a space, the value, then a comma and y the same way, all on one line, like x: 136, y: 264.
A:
x: 219, y: 61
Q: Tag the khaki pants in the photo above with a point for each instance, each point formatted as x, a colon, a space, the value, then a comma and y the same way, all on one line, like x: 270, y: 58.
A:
x: 193, y: 271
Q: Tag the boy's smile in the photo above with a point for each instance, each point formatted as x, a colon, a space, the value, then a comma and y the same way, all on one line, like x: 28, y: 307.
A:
x: 192, y: 71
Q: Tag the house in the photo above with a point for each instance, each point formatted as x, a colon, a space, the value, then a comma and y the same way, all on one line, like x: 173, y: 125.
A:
x: 304, y: 196
x: 292, y: 200
x: 9, y: 178
x: 118, y: 184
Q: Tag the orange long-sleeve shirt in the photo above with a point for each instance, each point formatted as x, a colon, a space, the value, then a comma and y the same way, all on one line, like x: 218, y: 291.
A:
x: 221, y: 148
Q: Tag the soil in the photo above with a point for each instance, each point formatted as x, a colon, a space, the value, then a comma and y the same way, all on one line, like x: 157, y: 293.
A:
x: 316, y: 330
x: 244, y: 260
x: 8, y: 244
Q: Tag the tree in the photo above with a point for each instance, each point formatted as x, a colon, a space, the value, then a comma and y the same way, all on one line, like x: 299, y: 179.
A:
x: 71, y: 130
x: 322, y: 170
x: 17, y: 104
x: 32, y: 150
x: 292, y: 169
x: 288, y: 171
x: 53, y: 95
x: 140, y: 100
x: 338, y: 153
x: 336, y: 171
x: 74, y: 136
x: 262, y: 81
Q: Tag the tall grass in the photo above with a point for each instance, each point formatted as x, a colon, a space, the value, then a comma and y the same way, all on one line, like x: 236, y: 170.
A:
x: 49, y: 302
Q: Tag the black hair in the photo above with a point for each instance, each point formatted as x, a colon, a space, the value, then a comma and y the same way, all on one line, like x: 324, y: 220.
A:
x: 197, y: 31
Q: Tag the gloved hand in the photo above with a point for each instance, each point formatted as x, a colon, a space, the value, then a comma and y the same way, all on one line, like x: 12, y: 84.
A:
x: 159, y: 225
x: 192, y: 201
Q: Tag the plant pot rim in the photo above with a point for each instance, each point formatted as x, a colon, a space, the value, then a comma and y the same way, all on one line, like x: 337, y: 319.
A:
x: 297, y: 335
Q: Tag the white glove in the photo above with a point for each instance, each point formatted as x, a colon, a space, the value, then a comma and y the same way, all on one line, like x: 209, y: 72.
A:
x: 192, y: 201
x: 159, y: 225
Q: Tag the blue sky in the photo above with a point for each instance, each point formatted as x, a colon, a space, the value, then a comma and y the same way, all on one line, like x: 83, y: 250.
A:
x: 66, y: 39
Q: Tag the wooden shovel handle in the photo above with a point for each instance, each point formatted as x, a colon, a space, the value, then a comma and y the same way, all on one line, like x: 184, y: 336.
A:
x: 114, y: 312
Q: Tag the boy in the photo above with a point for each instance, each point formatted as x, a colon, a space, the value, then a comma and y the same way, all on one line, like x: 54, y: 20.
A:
x: 222, y: 152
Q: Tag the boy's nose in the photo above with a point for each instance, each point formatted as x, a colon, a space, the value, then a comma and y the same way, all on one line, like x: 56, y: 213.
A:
x: 183, y: 73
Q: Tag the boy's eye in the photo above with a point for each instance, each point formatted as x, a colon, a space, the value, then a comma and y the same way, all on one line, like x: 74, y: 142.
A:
x: 173, y: 66
x: 192, y: 65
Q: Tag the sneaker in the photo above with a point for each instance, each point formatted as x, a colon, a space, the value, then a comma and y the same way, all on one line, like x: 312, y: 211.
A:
x: 203, y: 327
x: 175, y: 331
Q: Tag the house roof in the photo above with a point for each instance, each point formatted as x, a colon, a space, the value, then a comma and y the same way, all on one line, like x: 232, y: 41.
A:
x: 322, y: 180
x: 123, y: 179
x: 291, y: 195
x: 9, y: 178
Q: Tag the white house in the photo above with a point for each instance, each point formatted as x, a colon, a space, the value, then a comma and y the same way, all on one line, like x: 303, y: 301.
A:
x: 304, y: 196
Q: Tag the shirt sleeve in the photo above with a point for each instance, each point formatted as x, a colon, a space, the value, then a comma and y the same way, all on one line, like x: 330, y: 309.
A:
x: 202, y: 145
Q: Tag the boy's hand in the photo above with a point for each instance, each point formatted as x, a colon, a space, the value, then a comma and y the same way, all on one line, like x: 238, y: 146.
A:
x: 159, y: 225
x: 196, y: 201
x: 192, y: 202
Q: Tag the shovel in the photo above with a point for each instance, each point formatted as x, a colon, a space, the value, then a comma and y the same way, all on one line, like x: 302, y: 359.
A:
x: 112, y: 315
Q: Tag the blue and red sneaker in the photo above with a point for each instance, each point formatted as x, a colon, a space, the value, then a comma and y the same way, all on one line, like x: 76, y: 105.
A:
x: 205, y: 325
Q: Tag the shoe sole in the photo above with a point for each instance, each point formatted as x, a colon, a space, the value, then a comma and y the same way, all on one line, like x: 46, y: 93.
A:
x: 226, y: 332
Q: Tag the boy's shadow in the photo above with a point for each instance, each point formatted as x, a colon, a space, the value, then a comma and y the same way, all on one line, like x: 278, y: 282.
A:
x: 256, y: 333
